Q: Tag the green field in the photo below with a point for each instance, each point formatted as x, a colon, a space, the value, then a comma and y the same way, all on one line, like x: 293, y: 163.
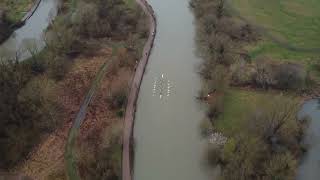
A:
x: 239, y: 104
x: 291, y: 28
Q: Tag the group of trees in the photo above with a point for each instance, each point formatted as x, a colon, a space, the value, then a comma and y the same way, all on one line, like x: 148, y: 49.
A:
x: 28, y: 107
x: 26, y: 110
x: 267, y: 145
x: 124, y: 23
x: 266, y: 74
x: 221, y: 40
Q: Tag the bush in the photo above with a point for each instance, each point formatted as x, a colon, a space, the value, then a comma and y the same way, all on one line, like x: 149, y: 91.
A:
x: 291, y: 76
x: 242, y: 74
x: 26, y: 110
x: 58, y: 67
x: 266, y: 144
x: 216, y: 107
x: 283, y: 76
x: 264, y: 77
x: 118, y: 97
x: 120, y: 113
x: 61, y: 39
x: 103, y: 159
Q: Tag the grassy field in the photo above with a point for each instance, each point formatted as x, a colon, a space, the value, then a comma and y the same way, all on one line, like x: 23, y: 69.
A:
x: 295, y: 23
x: 238, y: 106
x: 16, y: 9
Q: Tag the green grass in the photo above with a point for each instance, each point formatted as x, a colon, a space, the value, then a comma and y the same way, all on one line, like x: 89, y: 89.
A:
x: 295, y: 21
x: 16, y: 9
x: 237, y: 108
x: 275, y: 51
x: 285, y: 24
x: 130, y: 3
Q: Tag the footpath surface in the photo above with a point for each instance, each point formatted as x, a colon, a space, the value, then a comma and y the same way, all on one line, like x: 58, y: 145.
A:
x: 134, y: 91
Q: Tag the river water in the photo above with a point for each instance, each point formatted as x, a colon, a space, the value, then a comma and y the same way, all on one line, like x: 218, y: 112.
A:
x: 30, y: 35
x: 168, y: 145
x: 310, y: 166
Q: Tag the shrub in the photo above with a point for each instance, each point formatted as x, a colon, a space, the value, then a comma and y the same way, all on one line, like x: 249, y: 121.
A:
x: 282, y: 76
x: 26, y: 110
x: 266, y: 144
x: 242, y: 73
x: 120, y: 113
x: 265, y: 74
x: 103, y: 159
x: 291, y: 76
x: 58, y: 67
x: 216, y: 107
x: 118, y: 97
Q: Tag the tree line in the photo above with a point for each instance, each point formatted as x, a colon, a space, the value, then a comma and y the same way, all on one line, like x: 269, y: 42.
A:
x: 267, y: 145
x: 29, y: 107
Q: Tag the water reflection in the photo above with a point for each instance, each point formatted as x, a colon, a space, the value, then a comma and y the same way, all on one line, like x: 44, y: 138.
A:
x: 310, y: 166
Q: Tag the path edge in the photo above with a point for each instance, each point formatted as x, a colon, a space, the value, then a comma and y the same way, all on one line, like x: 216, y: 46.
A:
x: 127, y: 148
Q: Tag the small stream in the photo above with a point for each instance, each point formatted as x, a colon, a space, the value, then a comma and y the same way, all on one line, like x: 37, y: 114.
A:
x: 310, y: 167
x: 30, y: 35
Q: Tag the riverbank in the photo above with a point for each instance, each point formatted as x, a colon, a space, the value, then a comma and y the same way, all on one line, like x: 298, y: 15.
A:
x: 246, y: 94
x: 68, y: 70
x: 14, y: 15
x: 127, y: 156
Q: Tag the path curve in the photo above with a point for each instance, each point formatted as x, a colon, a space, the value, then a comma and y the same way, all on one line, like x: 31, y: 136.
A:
x: 26, y: 17
x: 134, y: 91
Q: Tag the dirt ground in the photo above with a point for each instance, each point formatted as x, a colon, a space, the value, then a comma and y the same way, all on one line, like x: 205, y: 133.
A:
x: 46, y: 162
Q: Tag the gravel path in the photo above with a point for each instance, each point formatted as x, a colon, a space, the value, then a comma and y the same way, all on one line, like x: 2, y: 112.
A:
x: 134, y: 91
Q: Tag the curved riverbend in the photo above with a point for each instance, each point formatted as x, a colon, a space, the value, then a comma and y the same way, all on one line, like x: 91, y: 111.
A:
x: 30, y: 35
x: 168, y: 144
x: 310, y: 166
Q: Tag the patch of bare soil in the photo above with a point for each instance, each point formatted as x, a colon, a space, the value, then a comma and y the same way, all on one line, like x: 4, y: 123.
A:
x: 47, y: 160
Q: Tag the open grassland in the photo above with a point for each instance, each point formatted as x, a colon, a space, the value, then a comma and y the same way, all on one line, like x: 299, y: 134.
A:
x: 238, y: 106
x: 291, y: 27
x: 16, y: 9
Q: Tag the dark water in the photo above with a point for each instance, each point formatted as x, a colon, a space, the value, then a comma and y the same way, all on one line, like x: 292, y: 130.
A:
x: 30, y: 36
x: 310, y: 167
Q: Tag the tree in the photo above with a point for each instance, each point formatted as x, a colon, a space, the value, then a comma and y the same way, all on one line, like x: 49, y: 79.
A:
x: 275, y: 122
x: 264, y: 147
x: 280, y: 167
x: 25, y: 110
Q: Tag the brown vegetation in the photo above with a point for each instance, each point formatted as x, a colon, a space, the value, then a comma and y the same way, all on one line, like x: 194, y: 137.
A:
x: 267, y: 144
x: 44, y: 93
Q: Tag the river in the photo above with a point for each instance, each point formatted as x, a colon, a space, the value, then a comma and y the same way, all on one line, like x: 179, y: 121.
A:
x: 30, y: 35
x: 310, y: 166
x: 168, y: 144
